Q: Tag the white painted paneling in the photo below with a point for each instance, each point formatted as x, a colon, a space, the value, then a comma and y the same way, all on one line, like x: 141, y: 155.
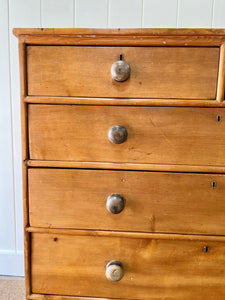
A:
x: 219, y: 14
x: 125, y: 13
x: 23, y: 13
x: 89, y: 13
x: 57, y: 13
x: 160, y: 13
x: 7, y: 224
x: 195, y: 13
x: 11, y: 264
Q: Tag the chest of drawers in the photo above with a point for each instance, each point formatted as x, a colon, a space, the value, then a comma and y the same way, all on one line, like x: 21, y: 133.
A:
x: 123, y: 135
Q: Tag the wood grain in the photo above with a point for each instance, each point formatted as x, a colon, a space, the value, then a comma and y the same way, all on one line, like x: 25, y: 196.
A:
x: 128, y: 234
x: 123, y: 101
x: 156, y: 135
x: 121, y: 31
x: 52, y: 297
x: 168, y: 266
x: 143, y: 41
x: 154, y: 202
x: 189, y: 73
x: 24, y: 142
x: 153, y: 268
x: 221, y: 78
x: 124, y: 166
x: 122, y: 37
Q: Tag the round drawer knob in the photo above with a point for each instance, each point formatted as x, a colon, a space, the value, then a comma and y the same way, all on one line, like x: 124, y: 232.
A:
x: 117, y: 134
x: 114, y: 271
x: 115, y: 203
x: 120, y: 71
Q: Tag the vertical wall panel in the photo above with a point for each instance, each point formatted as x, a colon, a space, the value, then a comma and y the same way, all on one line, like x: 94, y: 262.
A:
x: 160, y: 13
x: 219, y: 14
x: 23, y: 13
x: 195, y: 13
x: 7, y: 221
x: 57, y: 13
x: 89, y: 13
x: 125, y: 13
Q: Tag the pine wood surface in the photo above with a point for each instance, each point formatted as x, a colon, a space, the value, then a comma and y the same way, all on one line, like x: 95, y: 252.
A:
x: 163, y: 266
x: 221, y: 76
x: 155, y: 72
x: 155, y: 135
x: 128, y: 234
x: 124, y: 101
x: 24, y: 142
x: 152, y: 267
x: 52, y: 297
x: 127, y: 40
x: 123, y: 37
x: 120, y: 32
x: 154, y: 202
x: 124, y: 166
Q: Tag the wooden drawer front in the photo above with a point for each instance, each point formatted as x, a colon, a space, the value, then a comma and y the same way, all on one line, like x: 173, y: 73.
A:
x: 52, y: 297
x: 153, y: 268
x: 154, y: 202
x: 166, y: 72
x: 165, y: 135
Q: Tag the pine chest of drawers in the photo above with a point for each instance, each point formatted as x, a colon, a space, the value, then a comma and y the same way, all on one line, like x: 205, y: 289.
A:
x: 123, y: 135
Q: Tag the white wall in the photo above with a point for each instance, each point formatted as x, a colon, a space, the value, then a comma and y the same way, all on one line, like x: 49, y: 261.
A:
x: 66, y: 13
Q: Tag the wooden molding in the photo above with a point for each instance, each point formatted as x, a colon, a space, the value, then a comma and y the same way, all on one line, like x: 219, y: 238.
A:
x: 122, y: 37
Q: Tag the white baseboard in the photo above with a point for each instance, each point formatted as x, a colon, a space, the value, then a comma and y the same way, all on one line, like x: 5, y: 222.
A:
x: 11, y: 263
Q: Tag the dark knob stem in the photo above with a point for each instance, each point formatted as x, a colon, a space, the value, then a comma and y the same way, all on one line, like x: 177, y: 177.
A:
x: 115, y: 203
x: 117, y: 134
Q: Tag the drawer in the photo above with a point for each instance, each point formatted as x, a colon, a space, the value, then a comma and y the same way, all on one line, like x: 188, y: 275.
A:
x: 154, y: 135
x: 136, y: 201
x: 156, y: 72
x: 153, y: 268
x: 56, y: 297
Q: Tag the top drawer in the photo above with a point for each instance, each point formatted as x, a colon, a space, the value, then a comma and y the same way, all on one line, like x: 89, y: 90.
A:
x: 155, y: 72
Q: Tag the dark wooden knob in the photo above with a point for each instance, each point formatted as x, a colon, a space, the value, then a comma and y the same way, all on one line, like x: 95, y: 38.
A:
x: 114, y: 271
x: 115, y: 203
x: 117, y: 134
x: 120, y: 71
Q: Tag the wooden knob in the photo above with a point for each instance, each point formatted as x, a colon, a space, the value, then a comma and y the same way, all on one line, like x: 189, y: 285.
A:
x: 114, y: 271
x: 120, y: 71
x: 115, y: 203
x: 117, y: 134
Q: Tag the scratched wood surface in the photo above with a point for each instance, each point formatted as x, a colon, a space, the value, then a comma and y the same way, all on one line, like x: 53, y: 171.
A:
x: 72, y: 235
x: 170, y: 72
x: 52, y: 297
x: 153, y: 268
x: 123, y: 37
x: 154, y: 201
x: 158, y: 135
x: 120, y: 32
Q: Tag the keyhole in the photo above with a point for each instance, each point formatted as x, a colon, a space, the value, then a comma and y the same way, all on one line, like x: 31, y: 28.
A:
x: 206, y: 249
x: 218, y: 118
x: 213, y: 184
